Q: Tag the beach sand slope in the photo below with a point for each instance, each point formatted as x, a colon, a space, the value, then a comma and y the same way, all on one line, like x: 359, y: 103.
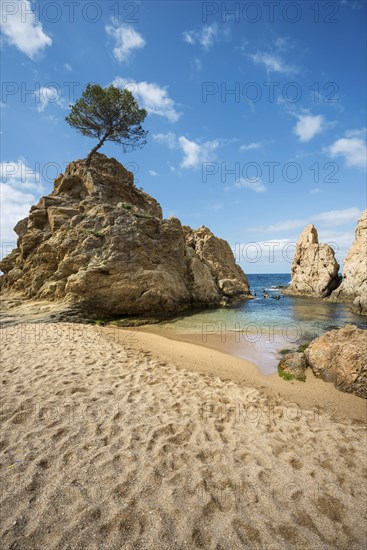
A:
x: 104, y: 447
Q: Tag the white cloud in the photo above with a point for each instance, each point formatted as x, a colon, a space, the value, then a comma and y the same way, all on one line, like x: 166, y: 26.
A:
x: 352, y: 148
x: 330, y: 218
x: 19, y: 186
x: 154, y: 98
x: 68, y: 67
x: 21, y: 28
x: 308, y: 126
x: 169, y: 139
x: 45, y: 96
x: 252, y: 184
x: 250, y: 146
x: 315, y: 191
x: 153, y: 173
x: 126, y: 40
x: 195, y: 153
x: 205, y: 36
x: 273, y: 63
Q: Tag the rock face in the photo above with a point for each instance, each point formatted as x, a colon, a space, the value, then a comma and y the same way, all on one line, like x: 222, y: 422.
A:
x: 353, y: 287
x: 340, y: 356
x: 314, y: 267
x: 99, y: 244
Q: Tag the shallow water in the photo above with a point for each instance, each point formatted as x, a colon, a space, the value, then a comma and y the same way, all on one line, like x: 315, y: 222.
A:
x: 257, y: 329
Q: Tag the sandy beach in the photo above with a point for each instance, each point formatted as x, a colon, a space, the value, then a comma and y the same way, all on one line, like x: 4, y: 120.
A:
x: 116, y: 438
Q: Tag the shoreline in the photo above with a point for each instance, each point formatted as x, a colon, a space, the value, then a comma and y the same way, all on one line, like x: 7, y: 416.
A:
x: 188, y: 354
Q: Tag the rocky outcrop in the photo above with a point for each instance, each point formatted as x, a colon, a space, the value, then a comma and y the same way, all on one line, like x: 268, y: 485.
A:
x: 340, y: 356
x: 99, y: 244
x: 353, y: 287
x: 314, y: 268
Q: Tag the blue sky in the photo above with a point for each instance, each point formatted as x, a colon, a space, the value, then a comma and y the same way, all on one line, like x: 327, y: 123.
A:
x: 257, y: 120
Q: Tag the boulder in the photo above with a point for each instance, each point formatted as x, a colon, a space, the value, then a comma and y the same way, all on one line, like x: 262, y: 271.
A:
x: 353, y: 287
x: 99, y: 245
x: 340, y: 356
x: 314, y: 269
x: 294, y: 365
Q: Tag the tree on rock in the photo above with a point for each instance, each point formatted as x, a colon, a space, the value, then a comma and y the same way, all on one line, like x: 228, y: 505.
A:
x: 108, y: 114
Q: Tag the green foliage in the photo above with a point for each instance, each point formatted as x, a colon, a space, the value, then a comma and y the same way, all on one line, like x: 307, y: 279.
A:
x: 109, y: 114
x: 127, y: 206
x: 285, y: 375
x: 302, y: 347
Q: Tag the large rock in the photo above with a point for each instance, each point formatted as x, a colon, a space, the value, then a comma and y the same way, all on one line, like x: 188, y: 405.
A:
x: 340, y: 356
x: 353, y: 287
x: 100, y: 244
x: 314, y: 268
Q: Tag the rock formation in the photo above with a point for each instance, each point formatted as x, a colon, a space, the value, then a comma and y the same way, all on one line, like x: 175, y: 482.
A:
x: 100, y: 245
x: 353, y: 287
x: 340, y: 356
x: 314, y: 268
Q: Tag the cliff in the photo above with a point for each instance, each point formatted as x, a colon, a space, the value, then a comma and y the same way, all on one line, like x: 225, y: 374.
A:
x: 99, y: 244
x: 314, y: 269
x: 353, y: 287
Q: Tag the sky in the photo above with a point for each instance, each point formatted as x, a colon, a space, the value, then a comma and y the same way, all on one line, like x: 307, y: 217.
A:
x: 256, y: 112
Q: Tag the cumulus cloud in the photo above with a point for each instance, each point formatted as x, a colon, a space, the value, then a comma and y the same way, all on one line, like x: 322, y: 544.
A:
x: 206, y: 36
x: 19, y: 187
x: 154, y: 98
x: 126, y: 38
x: 153, y: 173
x: 308, y: 126
x: 195, y: 153
x: 352, y: 148
x: 48, y: 95
x: 21, y: 29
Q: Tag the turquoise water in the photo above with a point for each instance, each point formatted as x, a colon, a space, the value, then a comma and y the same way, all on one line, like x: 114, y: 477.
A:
x: 257, y: 329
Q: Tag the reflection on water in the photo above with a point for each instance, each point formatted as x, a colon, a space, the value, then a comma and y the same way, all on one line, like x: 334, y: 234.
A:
x: 263, y: 326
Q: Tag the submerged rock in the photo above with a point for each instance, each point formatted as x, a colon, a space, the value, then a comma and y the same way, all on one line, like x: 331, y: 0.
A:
x: 100, y: 244
x: 353, y: 287
x: 314, y: 269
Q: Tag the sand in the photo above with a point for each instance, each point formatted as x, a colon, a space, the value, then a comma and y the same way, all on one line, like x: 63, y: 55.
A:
x: 126, y: 439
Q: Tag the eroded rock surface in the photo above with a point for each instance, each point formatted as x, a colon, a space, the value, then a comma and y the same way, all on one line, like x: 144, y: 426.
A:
x: 340, y: 356
x: 353, y: 287
x: 100, y: 244
x: 314, y: 268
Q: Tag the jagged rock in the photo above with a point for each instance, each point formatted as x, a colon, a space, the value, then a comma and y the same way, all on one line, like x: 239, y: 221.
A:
x: 293, y: 364
x: 340, y: 356
x: 314, y: 268
x: 99, y: 244
x: 353, y: 287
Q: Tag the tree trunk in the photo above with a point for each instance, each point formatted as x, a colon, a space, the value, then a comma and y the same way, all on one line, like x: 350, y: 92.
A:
x: 94, y: 150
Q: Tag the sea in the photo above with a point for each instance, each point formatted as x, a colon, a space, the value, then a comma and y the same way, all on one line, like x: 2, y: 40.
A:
x: 259, y: 329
